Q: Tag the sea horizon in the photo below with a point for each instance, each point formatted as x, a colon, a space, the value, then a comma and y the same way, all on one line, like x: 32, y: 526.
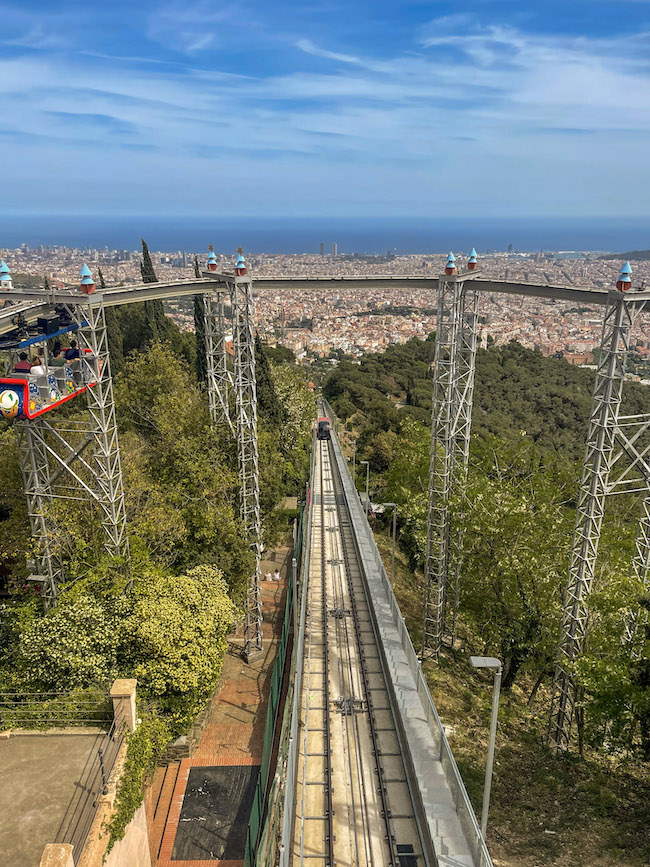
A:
x: 292, y: 235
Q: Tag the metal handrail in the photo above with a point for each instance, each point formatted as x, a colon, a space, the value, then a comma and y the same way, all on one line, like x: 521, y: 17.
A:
x: 82, y: 809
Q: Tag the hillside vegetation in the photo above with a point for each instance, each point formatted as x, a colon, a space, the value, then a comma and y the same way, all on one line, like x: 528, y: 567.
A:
x: 529, y: 423
x: 189, y: 555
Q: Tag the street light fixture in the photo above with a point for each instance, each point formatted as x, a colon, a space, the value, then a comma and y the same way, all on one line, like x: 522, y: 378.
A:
x: 494, y: 665
x: 367, y: 484
x: 392, y: 561
x: 354, y: 460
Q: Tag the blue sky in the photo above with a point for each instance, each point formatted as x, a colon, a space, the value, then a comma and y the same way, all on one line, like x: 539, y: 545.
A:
x: 357, y: 107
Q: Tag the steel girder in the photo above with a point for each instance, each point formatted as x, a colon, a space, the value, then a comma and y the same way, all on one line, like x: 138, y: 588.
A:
x: 453, y: 389
x: 620, y: 314
x: 35, y: 469
x: 106, y: 465
x: 49, y: 450
x: 219, y: 377
x: 462, y: 425
x: 246, y: 425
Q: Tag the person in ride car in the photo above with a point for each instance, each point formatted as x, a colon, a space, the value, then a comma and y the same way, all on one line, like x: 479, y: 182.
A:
x: 23, y: 364
x: 73, y: 352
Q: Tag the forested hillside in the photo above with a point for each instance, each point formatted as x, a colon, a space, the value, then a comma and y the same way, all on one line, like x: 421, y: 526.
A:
x: 529, y: 424
x: 190, y: 559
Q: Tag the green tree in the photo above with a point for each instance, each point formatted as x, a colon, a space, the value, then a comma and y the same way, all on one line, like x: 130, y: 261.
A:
x: 174, y: 637
x: 199, y: 330
x: 268, y: 406
x: 146, y: 265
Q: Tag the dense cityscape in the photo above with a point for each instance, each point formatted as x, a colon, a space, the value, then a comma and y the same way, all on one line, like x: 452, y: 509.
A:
x: 357, y: 321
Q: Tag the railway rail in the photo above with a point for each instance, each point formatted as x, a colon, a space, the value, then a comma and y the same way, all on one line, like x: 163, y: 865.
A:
x: 353, y: 801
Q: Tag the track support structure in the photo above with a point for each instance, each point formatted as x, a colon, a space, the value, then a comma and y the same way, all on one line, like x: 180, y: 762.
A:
x: 453, y: 393
x: 219, y: 378
x: 35, y: 468
x: 53, y: 457
x: 620, y: 314
x: 246, y: 427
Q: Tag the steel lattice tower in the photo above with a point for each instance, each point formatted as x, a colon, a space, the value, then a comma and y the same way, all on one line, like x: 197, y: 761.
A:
x: 93, y: 335
x: 620, y: 314
x: 246, y: 425
x: 453, y: 388
x: 50, y: 450
x: 219, y: 377
x: 464, y: 370
x: 35, y: 468
x: 640, y: 570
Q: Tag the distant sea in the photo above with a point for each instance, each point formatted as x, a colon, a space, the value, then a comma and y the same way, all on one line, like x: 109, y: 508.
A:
x: 352, y: 235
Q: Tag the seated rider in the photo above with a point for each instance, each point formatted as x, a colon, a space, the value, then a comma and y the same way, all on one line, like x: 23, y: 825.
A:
x: 23, y: 364
x: 73, y: 352
x: 38, y: 364
x: 57, y: 359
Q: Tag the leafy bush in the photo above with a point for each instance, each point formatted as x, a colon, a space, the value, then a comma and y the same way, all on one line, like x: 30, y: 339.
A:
x: 74, y: 645
x: 146, y: 747
x: 174, y: 637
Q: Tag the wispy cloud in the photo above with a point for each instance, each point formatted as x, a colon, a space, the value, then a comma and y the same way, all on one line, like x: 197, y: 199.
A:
x: 309, y: 47
x: 221, y: 88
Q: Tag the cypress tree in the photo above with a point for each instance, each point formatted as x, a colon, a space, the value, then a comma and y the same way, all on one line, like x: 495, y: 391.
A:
x: 156, y: 322
x: 46, y: 284
x: 146, y: 266
x: 199, y: 328
x: 197, y: 270
x: 268, y: 405
x: 102, y: 282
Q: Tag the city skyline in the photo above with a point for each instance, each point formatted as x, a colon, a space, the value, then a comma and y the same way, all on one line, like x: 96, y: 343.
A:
x: 409, y: 108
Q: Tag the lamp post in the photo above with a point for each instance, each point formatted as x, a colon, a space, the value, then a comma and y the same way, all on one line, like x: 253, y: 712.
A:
x: 361, y: 463
x: 392, y: 561
x: 354, y: 460
x: 494, y: 665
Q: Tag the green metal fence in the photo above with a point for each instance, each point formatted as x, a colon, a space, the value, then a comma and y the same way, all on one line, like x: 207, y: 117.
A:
x: 261, y: 822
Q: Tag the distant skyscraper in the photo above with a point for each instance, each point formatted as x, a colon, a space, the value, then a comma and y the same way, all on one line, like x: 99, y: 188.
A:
x: 322, y: 248
x: 335, y: 249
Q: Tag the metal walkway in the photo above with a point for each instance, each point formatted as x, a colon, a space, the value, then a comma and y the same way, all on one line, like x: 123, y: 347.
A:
x: 371, y: 780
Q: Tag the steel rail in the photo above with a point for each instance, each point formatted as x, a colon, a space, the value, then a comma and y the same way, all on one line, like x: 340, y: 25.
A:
x: 382, y: 788
x: 353, y: 742
x: 329, y: 841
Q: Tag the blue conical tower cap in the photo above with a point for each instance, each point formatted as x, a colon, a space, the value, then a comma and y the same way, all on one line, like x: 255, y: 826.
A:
x: 626, y: 269
x: 85, y: 271
x: 240, y: 258
x: 472, y: 255
x: 87, y: 280
x: 211, y: 256
x: 451, y: 258
x: 4, y: 268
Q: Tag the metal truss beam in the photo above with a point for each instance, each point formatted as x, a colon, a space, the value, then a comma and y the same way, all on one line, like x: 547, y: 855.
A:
x: 106, y: 466
x: 461, y: 429
x: 219, y: 377
x: 247, y: 449
x: 35, y: 469
x: 620, y: 314
x: 453, y: 388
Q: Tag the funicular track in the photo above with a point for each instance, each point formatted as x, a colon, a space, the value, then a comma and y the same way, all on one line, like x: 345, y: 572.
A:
x: 353, y: 804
